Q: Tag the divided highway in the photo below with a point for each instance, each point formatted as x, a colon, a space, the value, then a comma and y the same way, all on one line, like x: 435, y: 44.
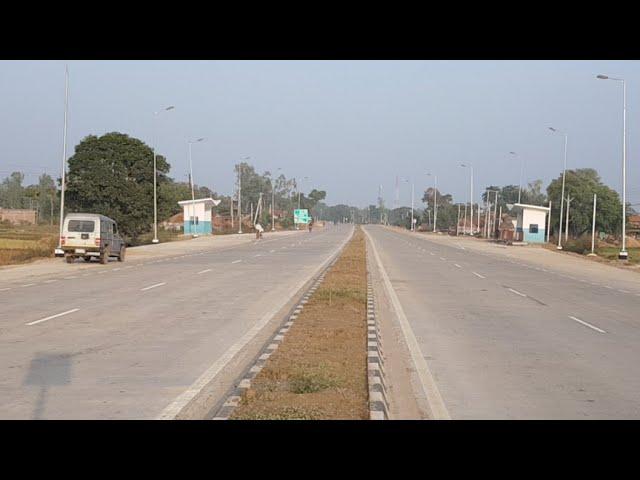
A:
x: 124, y: 340
x: 505, y: 339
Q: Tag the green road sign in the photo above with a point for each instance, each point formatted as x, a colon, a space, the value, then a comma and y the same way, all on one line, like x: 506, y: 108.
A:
x: 301, y: 216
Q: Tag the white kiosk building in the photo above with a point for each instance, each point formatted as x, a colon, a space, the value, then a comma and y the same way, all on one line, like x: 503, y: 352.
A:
x: 531, y: 222
x: 197, y: 215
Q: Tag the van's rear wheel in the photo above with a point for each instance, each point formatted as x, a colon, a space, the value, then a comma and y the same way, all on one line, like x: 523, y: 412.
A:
x: 69, y: 258
x: 104, y: 257
x: 87, y: 259
x: 123, y: 251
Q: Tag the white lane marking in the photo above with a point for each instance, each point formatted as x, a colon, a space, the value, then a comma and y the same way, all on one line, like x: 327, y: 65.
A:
x: 53, y: 316
x: 271, y: 251
x: 517, y: 292
x: 70, y: 278
x: 50, y: 281
x: 587, y: 324
x: 153, y: 286
x: 443, y: 259
x: 116, y: 269
x: 5, y: 289
x: 478, y: 275
x: 236, y: 261
x: 258, y: 255
x: 174, y: 409
x: 28, y: 285
x: 204, y: 271
x: 429, y: 387
x: 457, y: 265
x: 609, y: 287
x: 623, y: 291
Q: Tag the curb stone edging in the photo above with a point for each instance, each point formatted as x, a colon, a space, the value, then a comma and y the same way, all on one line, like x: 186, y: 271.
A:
x: 378, y: 400
x: 233, y: 399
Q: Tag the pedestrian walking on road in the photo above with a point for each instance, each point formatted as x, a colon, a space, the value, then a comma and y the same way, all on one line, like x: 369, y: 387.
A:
x: 259, y: 231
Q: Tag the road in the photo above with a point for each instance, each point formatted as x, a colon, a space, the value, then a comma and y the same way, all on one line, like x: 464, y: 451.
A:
x: 124, y: 340
x: 509, y: 339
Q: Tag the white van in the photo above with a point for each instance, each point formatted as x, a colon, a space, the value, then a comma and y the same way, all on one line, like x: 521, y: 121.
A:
x: 87, y: 235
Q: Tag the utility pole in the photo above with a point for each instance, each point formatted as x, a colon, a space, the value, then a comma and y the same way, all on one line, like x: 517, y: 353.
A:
x: 458, y: 222
x: 566, y: 228
x: 464, y: 225
x: 593, y: 226
x: 564, y: 172
x: 240, y: 198
x: 549, y: 222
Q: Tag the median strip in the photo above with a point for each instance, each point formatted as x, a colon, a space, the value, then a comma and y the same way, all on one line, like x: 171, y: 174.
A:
x: 316, y: 366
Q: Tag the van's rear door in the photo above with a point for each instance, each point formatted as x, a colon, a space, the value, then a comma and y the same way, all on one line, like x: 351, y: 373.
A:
x: 82, y: 233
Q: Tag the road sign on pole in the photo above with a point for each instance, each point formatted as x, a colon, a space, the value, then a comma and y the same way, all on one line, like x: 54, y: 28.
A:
x: 301, y: 216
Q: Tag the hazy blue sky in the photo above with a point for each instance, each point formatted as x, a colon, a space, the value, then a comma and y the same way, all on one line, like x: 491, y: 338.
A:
x: 348, y: 125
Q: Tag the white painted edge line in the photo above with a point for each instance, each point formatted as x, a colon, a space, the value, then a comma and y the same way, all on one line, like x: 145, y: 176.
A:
x: 457, y: 265
x: 5, y: 289
x: 204, y: 271
x: 478, y: 275
x: 28, y: 285
x: 175, y: 407
x: 517, y: 292
x: 236, y: 261
x: 587, y: 324
x: 153, y: 286
x: 429, y: 387
x: 54, y: 316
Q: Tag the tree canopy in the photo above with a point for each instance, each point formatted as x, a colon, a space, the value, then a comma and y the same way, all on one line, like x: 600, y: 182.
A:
x: 113, y: 175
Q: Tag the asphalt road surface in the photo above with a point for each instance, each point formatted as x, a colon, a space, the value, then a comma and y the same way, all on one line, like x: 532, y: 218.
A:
x: 123, y: 340
x: 506, y: 339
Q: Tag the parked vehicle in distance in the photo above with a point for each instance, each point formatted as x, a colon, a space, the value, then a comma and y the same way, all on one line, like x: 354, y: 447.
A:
x: 87, y: 235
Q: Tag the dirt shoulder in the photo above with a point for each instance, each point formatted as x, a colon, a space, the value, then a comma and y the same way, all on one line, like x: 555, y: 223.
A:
x: 320, y: 369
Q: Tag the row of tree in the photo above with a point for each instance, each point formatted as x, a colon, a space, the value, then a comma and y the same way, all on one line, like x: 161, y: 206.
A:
x: 112, y: 174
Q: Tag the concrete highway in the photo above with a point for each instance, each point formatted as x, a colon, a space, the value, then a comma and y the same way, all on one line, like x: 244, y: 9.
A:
x: 125, y: 340
x: 510, y: 339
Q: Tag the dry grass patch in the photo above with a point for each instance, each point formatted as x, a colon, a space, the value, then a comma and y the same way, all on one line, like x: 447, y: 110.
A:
x: 320, y: 369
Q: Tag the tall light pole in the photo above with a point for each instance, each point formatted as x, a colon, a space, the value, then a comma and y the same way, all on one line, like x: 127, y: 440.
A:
x: 471, y: 197
x: 240, y: 195
x: 564, y: 172
x: 273, y: 205
x: 193, y: 198
x: 521, y: 172
x: 64, y: 157
x: 435, y: 200
x: 155, y: 173
x: 623, y: 254
x: 412, y: 190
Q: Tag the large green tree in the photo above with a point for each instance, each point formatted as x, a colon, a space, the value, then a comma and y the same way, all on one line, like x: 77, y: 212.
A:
x: 113, y: 175
x: 580, y: 185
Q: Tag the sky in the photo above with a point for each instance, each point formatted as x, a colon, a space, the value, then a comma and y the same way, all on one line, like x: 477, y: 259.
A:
x: 349, y: 126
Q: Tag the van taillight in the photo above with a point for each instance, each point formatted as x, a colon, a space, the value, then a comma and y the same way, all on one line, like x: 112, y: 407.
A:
x: 62, y: 240
x: 97, y: 242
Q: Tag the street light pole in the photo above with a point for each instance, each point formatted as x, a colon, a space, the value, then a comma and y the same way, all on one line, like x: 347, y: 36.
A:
x: 470, y: 198
x: 240, y: 195
x: 623, y: 254
x: 64, y: 154
x: 155, y: 174
x: 435, y: 201
x: 193, y: 198
x: 564, y: 172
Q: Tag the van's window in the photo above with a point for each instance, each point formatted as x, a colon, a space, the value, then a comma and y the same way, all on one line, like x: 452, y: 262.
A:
x: 84, y: 226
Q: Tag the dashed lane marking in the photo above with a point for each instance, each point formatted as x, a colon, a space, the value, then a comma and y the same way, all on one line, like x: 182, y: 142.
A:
x: 478, y: 275
x: 153, y: 286
x: 586, y: 324
x: 53, y: 316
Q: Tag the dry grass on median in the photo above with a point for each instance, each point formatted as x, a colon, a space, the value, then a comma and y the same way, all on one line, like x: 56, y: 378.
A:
x: 320, y: 370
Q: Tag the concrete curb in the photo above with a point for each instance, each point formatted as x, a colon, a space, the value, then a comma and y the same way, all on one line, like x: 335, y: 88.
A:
x: 378, y: 399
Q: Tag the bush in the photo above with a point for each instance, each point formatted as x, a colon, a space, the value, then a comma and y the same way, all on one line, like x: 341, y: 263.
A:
x: 581, y: 245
